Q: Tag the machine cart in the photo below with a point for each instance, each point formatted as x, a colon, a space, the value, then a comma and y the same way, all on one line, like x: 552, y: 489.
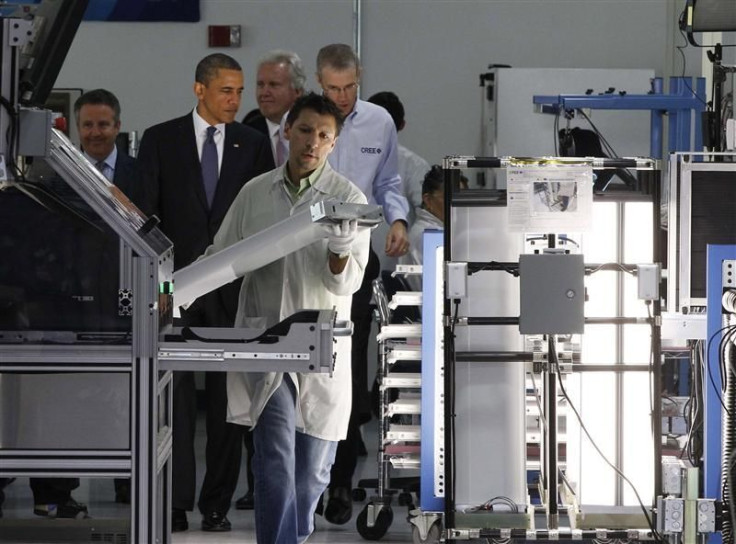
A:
x: 399, y: 383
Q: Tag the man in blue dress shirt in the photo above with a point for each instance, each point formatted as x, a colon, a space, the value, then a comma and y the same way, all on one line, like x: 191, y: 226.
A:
x: 367, y: 154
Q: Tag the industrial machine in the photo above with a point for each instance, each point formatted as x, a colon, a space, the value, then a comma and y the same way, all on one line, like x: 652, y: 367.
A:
x: 88, y: 296
x: 532, y: 308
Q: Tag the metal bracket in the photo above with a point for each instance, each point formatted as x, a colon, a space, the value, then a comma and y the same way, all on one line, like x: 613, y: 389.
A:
x: 20, y: 32
x: 728, y: 272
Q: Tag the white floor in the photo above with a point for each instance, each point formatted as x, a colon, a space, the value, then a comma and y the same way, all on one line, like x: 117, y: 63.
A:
x: 98, y: 494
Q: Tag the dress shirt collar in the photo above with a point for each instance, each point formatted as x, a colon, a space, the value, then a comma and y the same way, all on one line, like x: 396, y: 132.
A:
x: 109, y: 161
x: 304, y: 183
x: 200, y: 125
x: 356, y: 109
x: 273, y: 128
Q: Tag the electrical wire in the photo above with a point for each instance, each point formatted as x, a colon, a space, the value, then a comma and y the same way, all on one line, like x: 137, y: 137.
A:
x: 731, y: 507
x: 487, y: 506
x: 695, y: 422
x: 617, y: 265
x: 490, y: 264
x: 11, y: 139
x: 684, y: 60
x: 602, y: 138
x: 542, y: 418
x: 726, y: 341
x: 710, y: 370
x: 570, y: 404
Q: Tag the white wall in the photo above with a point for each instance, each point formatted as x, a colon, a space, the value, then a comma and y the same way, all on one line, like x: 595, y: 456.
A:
x: 150, y: 66
x: 430, y: 52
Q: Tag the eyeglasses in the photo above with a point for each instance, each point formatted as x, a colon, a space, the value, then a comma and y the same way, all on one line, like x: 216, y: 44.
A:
x: 347, y: 89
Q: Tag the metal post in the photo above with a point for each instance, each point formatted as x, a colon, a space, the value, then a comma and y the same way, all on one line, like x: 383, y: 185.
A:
x: 551, y: 447
x: 150, y: 515
x: 449, y: 386
x: 8, y: 88
x: 618, y: 379
x: 658, y: 255
x: 656, y: 123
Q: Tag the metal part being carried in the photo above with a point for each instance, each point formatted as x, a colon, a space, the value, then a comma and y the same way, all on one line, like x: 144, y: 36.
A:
x: 301, y: 343
x: 287, y: 236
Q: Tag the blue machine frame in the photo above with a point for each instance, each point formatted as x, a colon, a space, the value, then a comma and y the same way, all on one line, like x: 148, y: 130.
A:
x: 679, y: 105
x: 712, y: 438
x: 430, y: 501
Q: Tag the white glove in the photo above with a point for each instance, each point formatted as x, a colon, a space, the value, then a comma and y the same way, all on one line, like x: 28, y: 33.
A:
x: 340, y: 236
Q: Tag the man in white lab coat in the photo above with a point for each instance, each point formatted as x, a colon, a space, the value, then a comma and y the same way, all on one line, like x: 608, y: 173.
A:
x: 297, y: 418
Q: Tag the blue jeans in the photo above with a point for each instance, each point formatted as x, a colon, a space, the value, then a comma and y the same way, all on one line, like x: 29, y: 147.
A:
x: 291, y: 471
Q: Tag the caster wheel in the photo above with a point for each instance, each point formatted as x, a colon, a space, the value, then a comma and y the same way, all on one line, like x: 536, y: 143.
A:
x: 359, y: 494
x: 433, y: 535
x: 383, y: 521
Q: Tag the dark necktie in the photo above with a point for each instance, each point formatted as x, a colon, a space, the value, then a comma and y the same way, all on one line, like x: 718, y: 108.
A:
x: 280, y: 149
x: 209, y: 165
x: 101, y: 166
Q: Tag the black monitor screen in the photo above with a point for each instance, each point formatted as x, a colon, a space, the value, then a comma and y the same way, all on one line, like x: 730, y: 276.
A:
x: 60, y: 264
x: 713, y: 15
x: 713, y: 221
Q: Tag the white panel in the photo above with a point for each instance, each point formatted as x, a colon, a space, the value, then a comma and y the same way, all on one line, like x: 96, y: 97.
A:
x: 429, y: 52
x: 490, y: 397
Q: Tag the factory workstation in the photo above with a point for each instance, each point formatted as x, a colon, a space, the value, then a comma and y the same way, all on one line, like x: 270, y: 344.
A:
x: 333, y: 271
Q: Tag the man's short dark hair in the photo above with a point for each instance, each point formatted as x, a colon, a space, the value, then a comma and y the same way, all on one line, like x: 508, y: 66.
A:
x: 434, y: 180
x: 207, y: 68
x: 338, y: 56
x: 98, y: 97
x: 391, y: 103
x: 318, y: 104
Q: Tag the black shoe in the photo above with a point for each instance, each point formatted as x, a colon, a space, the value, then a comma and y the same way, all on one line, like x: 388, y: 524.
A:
x: 71, y: 509
x: 245, y: 502
x: 179, y: 521
x: 339, y: 507
x: 215, y: 522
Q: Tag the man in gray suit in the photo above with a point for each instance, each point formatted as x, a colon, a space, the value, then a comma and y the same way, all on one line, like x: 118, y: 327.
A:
x: 279, y: 82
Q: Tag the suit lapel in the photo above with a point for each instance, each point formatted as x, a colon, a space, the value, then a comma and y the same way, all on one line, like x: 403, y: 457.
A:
x: 192, y: 171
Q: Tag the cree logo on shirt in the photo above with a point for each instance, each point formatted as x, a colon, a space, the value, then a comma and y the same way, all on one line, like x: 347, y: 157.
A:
x: 371, y: 150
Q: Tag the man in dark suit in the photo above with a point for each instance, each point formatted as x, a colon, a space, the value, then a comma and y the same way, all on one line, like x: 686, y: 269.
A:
x: 194, y: 166
x: 279, y: 82
x: 97, y: 114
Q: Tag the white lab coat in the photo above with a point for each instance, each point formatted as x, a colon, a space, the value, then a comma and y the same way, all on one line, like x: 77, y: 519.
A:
x: 299, y: 281
x: 424, y: 220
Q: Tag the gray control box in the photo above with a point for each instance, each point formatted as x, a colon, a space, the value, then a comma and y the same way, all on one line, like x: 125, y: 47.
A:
x: 34, y: 138
x: 706, y: 515
x: 670, y: 515
x: 552, y: 294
